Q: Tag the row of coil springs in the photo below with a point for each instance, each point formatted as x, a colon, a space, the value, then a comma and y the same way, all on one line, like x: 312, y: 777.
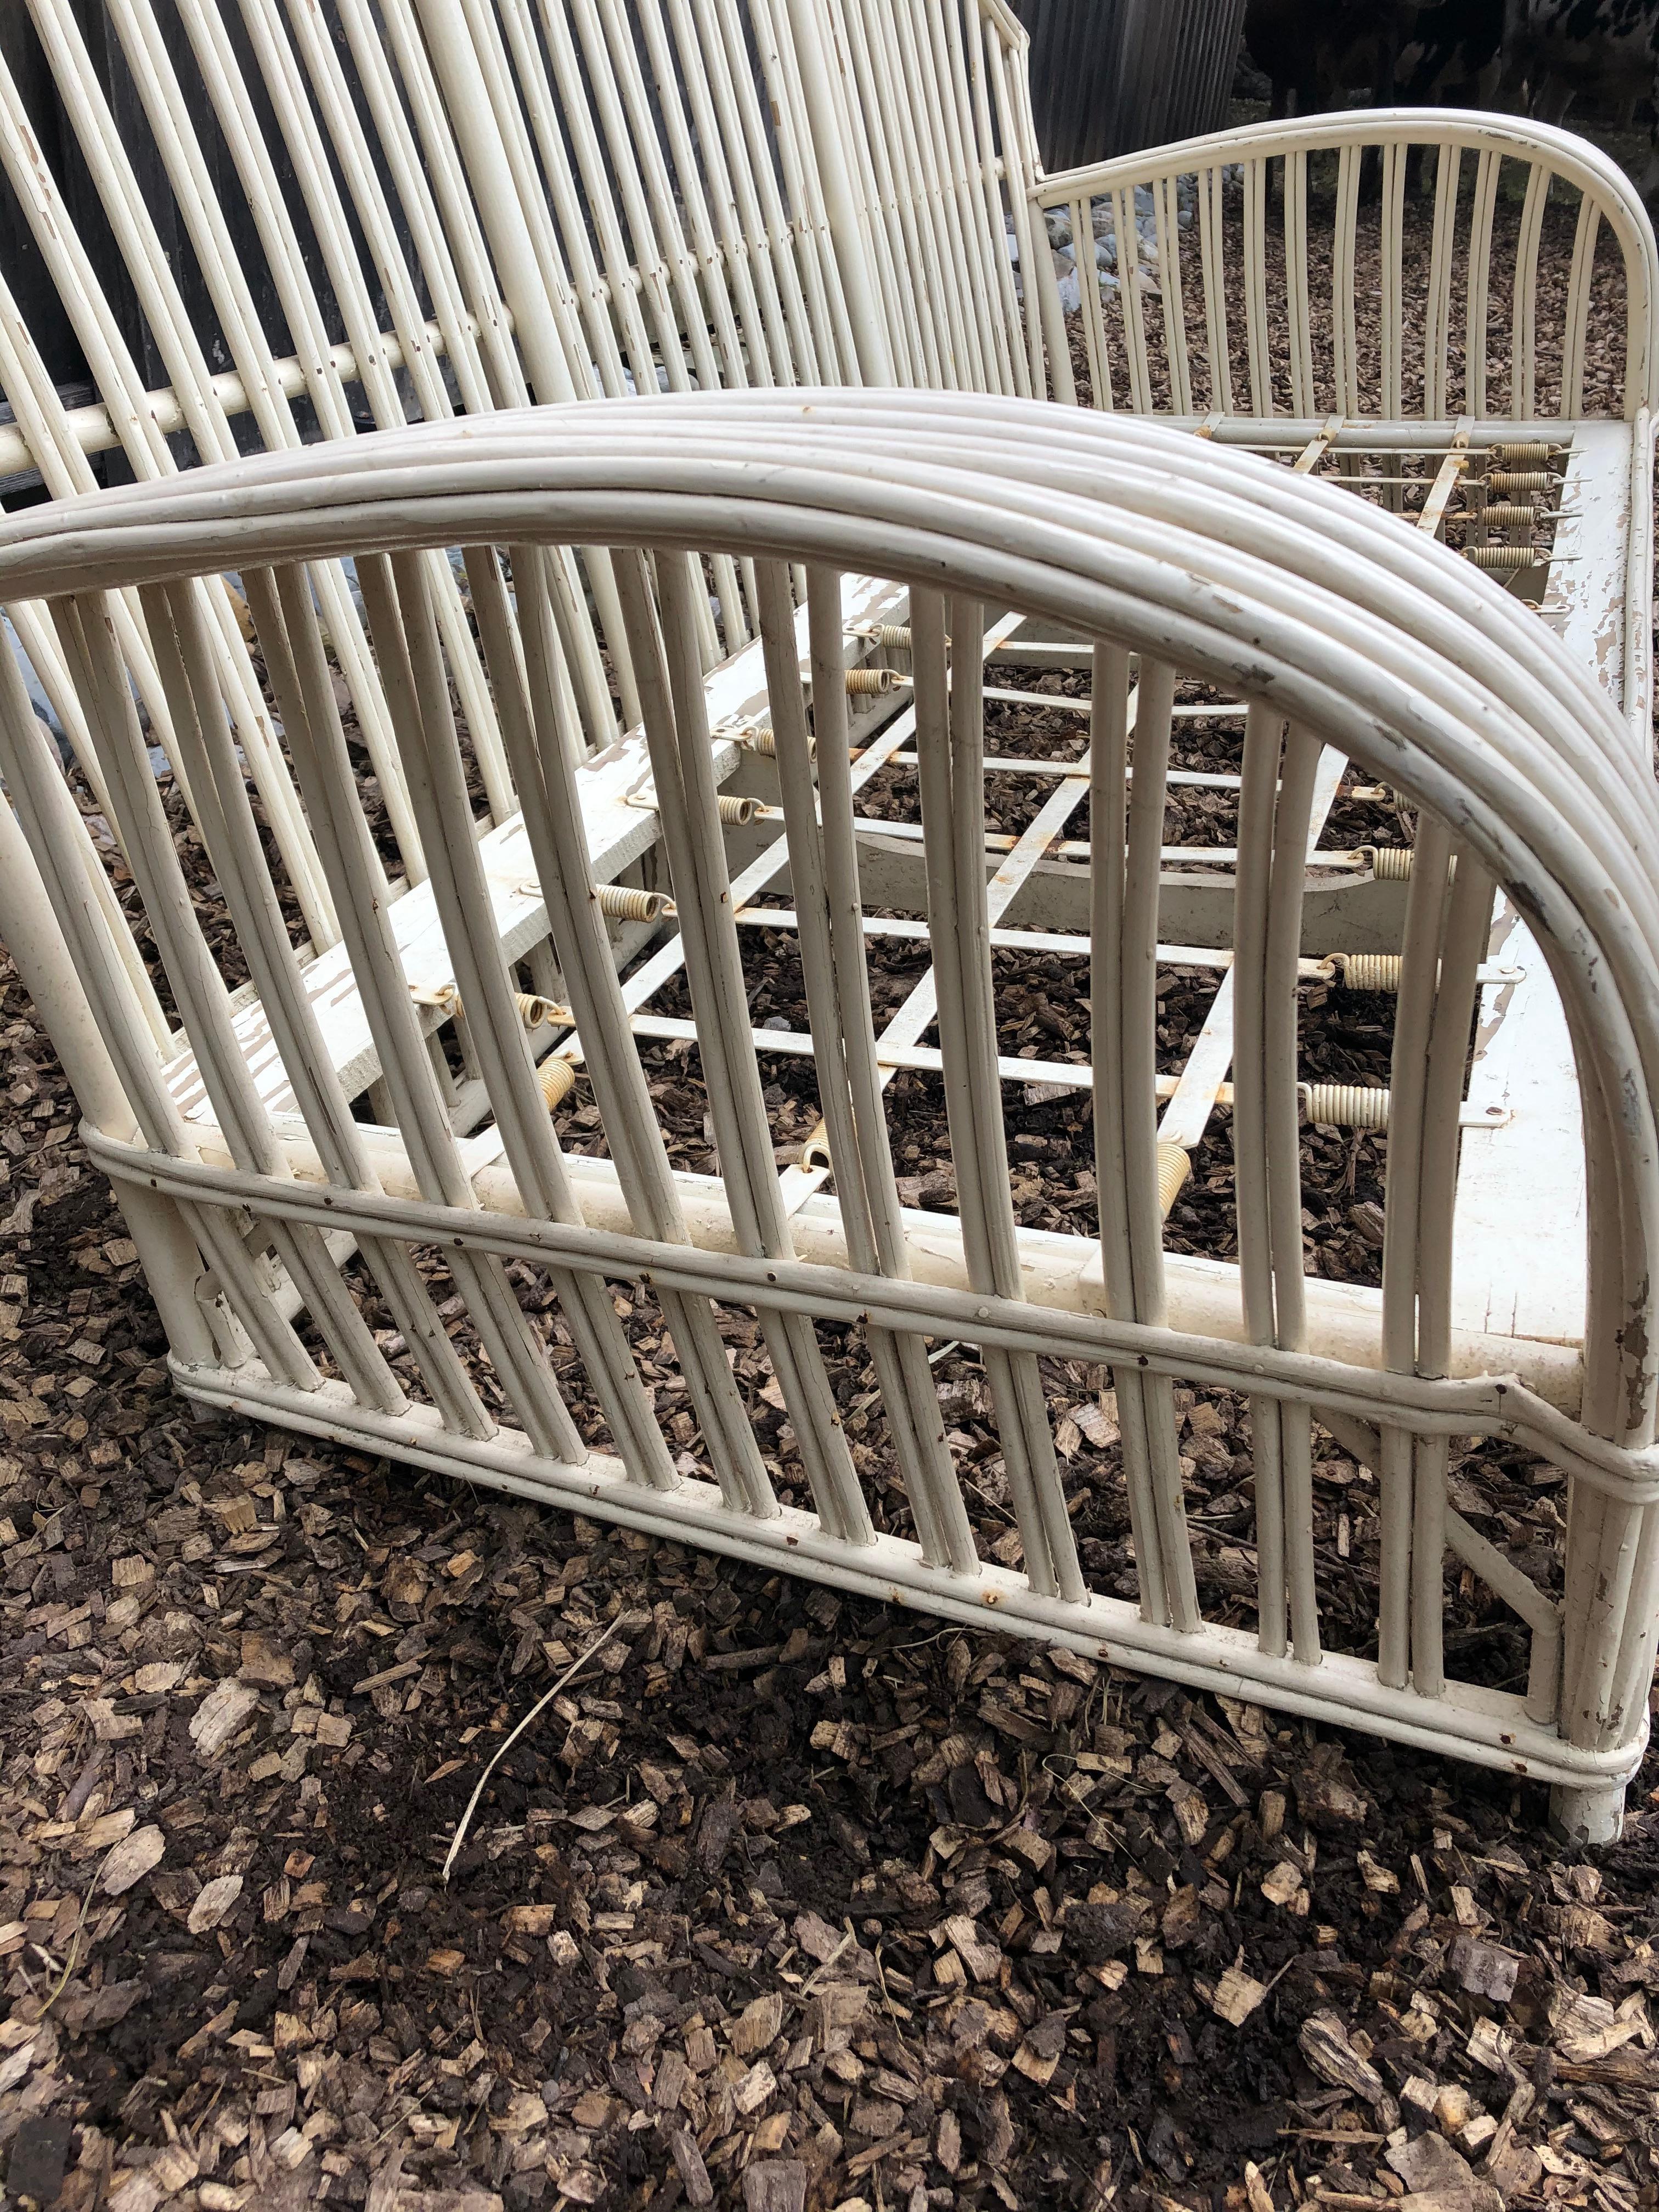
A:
x: 1507, y: 509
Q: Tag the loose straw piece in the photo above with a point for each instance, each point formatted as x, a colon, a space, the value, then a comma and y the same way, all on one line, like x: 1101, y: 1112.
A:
x: 573, y: 1669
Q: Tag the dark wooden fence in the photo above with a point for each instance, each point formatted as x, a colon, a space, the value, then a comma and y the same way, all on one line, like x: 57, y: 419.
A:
x: 1109, y: 76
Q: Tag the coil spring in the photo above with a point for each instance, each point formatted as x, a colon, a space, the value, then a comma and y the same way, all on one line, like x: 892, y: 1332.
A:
x: 762, y: 738
x: 1504, y: 559
x: 1520, y: 480
x: 1367, y: 971
x: 557, y: 1079
x: 871, y: 682
x: 895, y: 636
x: 737, y: 811
x: 1173, y: 1169
x: 534, y: 1010
x: 1524, y: 451
x: 815, y: 1152
x: 627, y: 902
x: 1390, y: 864
x: 1343, y: 1106
x: 1504, y: 514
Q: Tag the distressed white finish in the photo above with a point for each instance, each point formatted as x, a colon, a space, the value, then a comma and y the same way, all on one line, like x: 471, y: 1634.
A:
x: 1523, y: 1082
x: 1523, y: 1068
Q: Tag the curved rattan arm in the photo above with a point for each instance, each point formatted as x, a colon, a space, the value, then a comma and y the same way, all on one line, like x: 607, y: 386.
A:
x: 1458, y: 140
x: 1333, y: 621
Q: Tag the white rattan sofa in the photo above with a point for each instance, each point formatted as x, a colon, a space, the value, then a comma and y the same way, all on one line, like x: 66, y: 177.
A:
x: 470, y: 204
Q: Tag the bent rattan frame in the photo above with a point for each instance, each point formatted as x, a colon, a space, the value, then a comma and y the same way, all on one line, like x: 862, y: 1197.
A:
x: 1337, y: 627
